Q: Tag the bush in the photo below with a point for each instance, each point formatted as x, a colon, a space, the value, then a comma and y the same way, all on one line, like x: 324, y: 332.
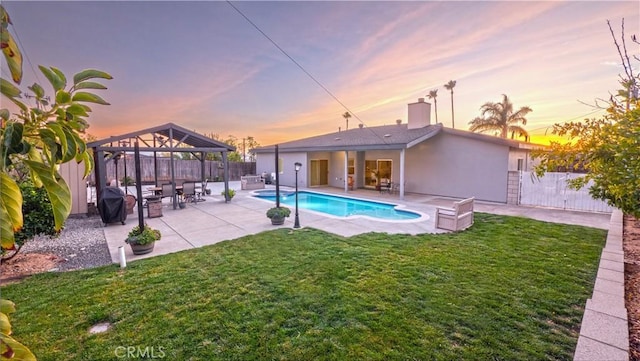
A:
x: 127, y: 181
x: 231, y: 193
x: 37, y: 212
x: 278, y: 212
x: 148, y: 235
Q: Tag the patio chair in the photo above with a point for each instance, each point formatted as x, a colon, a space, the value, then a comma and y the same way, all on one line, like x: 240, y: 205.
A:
x: 201, y: 190
x: 167, y: 190
x: 189, y: 191
x: 457, y: 218
x: 385, y: 186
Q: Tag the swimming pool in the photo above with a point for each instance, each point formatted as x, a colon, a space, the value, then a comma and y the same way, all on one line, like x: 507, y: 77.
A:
x: 340, y: 206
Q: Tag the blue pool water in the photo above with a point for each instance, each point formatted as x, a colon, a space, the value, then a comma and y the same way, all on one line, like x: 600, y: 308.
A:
x: 339, y: 206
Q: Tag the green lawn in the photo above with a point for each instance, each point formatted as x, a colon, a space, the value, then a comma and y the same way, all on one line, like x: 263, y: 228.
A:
x: 507, y: 289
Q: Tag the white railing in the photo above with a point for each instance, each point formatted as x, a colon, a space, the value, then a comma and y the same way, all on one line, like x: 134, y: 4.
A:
x: 552, y: 190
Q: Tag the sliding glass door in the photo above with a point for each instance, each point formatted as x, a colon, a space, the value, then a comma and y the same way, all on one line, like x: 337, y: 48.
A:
x: 377, y: 171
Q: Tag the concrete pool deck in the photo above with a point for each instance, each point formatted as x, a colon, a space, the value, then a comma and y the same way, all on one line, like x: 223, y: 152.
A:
x: 213, y: 221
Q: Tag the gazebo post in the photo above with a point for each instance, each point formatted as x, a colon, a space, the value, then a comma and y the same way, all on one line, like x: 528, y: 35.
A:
x: 139, y: 186
x: 202, y: 166
x: 155, y: 163
x: 100, y: 172
x: 173, y: 175
x: 225, y: 164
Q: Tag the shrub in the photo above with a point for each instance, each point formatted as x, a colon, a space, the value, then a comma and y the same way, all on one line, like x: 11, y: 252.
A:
x: 146, y: 236
x: 231, y: 193
x: 127, y: 181
x: 37, y: 212
x: 278, y: 212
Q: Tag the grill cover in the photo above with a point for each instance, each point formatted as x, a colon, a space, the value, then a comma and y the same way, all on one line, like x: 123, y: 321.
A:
x: 112, y: 206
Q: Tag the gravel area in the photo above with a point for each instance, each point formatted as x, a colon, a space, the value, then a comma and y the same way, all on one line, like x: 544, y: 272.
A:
x: 81, y: 244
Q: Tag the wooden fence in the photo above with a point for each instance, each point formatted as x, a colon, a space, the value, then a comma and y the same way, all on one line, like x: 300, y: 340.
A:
x: 183, y: 170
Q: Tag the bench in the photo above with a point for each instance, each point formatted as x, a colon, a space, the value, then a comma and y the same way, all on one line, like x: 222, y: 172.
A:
x: 250, y: 182
x: 457, y: 218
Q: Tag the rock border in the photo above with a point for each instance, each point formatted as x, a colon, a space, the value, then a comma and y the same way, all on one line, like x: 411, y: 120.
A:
x: 604, y: 332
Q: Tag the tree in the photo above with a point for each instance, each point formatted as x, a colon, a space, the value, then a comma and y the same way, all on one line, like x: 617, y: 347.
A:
x: 251, y: 144
x: 237, y: 156
x: 449, y: 86
x: 501, y: 117
x: 433, y: 94
x: 607, y: 148
x: 346, y: 117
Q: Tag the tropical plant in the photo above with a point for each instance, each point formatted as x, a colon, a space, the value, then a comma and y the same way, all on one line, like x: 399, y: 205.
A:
x: 346, y: 117
x: 229, y: 194
x: 145, y: 236
x: 127, y: 181
x: 278, y: 212
x: 501, y: 117
x: 433, y: 94
x: 607, y: 148
x: 39, y: 138
x: 449, y: 86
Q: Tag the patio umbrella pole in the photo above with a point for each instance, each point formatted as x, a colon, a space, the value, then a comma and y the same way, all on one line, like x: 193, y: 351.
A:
x: 136, y: 156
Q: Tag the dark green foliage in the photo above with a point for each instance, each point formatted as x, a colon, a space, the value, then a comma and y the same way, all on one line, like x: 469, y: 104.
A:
x: 146, y: 236
x: 37, y: 213
x: 278, y: 212
x: 128, y: 181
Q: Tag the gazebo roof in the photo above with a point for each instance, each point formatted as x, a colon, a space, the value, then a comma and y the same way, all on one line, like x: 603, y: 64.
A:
x: 163, y: 138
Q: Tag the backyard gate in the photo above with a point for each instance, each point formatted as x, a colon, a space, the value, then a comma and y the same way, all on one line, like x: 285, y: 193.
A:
x: 552, y: 190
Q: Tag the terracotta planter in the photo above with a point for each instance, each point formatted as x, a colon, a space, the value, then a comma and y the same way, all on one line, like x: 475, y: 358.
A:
x: 130, y: 202
x: 142, y: 248
x: 277, y: 221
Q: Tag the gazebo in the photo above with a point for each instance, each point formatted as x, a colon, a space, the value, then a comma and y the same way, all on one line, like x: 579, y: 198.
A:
x: 167, y: 138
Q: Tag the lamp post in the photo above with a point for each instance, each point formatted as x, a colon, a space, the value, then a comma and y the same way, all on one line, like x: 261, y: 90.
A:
x: 296, y: 224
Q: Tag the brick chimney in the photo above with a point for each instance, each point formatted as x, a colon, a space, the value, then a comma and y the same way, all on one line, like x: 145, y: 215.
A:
x: 419, y: 114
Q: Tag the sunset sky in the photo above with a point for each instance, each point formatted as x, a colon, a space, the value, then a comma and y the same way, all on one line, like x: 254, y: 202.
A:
x: 203, y: 66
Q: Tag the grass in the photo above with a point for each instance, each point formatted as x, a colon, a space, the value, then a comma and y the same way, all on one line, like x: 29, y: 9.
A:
x: 507, y: 289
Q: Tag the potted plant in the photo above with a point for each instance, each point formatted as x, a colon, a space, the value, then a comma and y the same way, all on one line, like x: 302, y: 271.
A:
x: 277, y: 215
x: 230, y: 193
x: 142, y: 242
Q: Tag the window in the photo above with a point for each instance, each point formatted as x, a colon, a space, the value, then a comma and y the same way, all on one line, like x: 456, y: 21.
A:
x: 351, y: 166
x: 520, y: 164
x: 280, y: 166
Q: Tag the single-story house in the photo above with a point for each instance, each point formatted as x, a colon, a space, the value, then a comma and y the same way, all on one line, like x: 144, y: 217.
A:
x: 419, y: 156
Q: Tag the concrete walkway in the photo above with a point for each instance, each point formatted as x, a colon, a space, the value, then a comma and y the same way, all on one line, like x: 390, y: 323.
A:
x: 215, y: 221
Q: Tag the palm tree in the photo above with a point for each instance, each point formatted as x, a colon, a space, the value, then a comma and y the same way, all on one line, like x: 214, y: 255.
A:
x: 432, y: 95
x: 449, y: 86
x: 500, y: 117
x: 346, y: 116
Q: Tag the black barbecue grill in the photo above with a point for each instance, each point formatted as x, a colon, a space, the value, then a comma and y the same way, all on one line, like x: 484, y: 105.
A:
x: 112, y: 206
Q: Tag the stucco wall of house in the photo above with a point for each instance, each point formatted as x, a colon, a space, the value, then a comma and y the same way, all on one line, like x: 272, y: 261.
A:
x: 265, y: 162
x: 525, y: 155
x: 454, y: 166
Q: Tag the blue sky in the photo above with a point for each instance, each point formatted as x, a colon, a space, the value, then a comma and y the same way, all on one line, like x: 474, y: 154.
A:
x: 203, y: 66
